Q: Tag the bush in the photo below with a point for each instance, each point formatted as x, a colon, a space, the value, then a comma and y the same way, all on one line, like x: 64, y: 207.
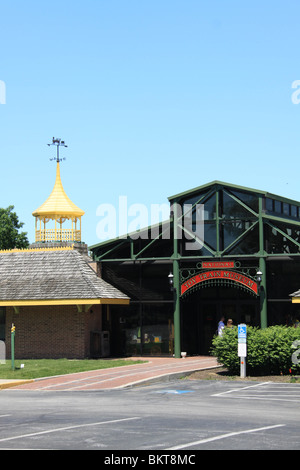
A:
x: 269, y: 350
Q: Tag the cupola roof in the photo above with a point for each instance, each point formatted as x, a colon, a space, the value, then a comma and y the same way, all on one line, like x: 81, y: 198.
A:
x: 58, y: 203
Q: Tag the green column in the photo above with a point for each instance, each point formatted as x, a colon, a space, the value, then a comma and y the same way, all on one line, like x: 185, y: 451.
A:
x: 217, y: 224
x: 263, y: 294
x: 176, y: 285
x: 262, y: 267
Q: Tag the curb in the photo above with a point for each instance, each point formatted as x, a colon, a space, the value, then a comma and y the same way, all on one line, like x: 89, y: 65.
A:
x: 13, y: 383
x: 163, y: 378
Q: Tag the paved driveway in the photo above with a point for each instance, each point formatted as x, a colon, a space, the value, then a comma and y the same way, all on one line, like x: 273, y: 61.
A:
x: 120, y: 377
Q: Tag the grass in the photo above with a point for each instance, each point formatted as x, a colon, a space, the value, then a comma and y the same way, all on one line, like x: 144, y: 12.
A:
x: 37, y: 368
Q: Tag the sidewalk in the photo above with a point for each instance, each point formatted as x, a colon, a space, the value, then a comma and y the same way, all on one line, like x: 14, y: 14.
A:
x: 155, y: 369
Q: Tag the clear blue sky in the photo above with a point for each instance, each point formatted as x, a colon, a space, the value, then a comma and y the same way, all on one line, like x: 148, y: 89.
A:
x: 152, y: 97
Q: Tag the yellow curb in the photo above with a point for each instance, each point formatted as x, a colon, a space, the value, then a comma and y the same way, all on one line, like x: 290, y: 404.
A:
x: 13, y: 383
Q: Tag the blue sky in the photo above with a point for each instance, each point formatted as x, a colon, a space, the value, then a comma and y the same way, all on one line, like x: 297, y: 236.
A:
x: 152, y: 98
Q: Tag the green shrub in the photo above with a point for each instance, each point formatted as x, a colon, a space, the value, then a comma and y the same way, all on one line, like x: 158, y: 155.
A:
x: 269, y: 350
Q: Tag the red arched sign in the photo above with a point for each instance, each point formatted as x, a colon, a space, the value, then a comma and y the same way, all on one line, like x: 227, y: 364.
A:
x: 219, y: 274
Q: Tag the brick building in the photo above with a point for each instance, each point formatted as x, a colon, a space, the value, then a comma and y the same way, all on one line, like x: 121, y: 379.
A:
x: 55, y: 299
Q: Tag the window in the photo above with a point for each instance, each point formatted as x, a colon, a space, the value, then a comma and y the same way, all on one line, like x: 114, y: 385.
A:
x: 269, y: 204
x: 249, y: 199
x: 294, y: 211
x: 277, y: 206
x: 286, y: 208
x: 233, y: 210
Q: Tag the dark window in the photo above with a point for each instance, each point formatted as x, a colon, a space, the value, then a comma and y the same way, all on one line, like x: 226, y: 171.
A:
x: 210, y: 208
x: 294, y: 212
x: 276, y: 242
x: 232, y: 209
x: 269, y: 204
x: 286, y: 208
x: 277, y: 206
x: 249, y: 199
x: 248, y: 244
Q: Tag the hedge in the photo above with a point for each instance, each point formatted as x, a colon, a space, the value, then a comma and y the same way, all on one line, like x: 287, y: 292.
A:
x: 269, y: 350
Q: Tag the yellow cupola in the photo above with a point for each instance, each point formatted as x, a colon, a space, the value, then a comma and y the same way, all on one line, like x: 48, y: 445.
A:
x: 58, y: 208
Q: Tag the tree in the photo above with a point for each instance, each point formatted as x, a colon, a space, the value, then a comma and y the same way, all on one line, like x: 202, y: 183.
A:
x: 9, y: 230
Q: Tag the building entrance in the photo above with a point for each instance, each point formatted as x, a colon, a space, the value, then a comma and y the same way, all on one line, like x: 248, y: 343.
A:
x: 203, y: 309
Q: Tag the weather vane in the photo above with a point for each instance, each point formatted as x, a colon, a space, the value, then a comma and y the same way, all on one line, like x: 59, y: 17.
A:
x: 58, y: 143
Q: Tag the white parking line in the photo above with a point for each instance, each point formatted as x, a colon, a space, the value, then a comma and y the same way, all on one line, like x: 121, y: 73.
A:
x: 22, y: 436
x: 264, y: 391
x: 223, y: 436
x: 253, y: 397
x: 239, y: 389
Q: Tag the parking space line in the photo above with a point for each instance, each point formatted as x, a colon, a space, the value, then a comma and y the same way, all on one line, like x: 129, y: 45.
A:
x: 224, y: 436
x: 267, y: 397
x: 264, y: 391
x: 66, y: 428
x: 239, y: 389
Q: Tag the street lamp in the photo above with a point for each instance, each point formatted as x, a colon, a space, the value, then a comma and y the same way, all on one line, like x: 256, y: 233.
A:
x: 170, y: 277
x: 259, y: 277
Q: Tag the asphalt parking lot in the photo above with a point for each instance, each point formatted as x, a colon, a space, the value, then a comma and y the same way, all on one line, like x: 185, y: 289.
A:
x: 180, y: 415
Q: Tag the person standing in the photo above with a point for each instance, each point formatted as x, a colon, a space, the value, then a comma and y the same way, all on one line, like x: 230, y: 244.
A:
x: 221, y: 326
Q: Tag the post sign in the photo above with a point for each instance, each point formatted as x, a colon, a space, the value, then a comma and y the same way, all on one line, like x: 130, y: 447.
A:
x: 242, y: 333
x: 242, y: 348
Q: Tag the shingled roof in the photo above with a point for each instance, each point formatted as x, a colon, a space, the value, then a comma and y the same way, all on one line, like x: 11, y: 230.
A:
x: 33, y: 275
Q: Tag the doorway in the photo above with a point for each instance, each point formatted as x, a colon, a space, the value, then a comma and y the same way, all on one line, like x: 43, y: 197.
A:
x: 202, y: 310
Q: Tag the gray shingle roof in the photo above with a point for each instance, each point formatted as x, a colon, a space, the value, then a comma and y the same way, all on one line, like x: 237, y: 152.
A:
x: 51, y: 275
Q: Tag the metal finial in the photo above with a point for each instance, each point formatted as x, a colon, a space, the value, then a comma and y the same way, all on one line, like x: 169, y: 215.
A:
x: 58, y: 143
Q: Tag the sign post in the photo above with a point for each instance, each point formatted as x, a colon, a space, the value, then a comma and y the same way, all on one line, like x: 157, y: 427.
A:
x: 242, y: 348
x: 13, y: 328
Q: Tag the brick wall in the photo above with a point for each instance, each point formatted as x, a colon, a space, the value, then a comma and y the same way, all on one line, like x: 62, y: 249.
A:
x: 51, y: 331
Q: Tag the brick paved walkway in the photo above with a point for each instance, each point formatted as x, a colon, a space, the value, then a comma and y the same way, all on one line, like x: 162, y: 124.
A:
x: 119, y: 377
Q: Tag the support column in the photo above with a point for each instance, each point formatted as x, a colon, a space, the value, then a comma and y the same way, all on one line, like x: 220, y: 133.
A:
x: 263, y: 294
x: 262, y: 267
x: 217, y: 223
x: 176, y: 285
